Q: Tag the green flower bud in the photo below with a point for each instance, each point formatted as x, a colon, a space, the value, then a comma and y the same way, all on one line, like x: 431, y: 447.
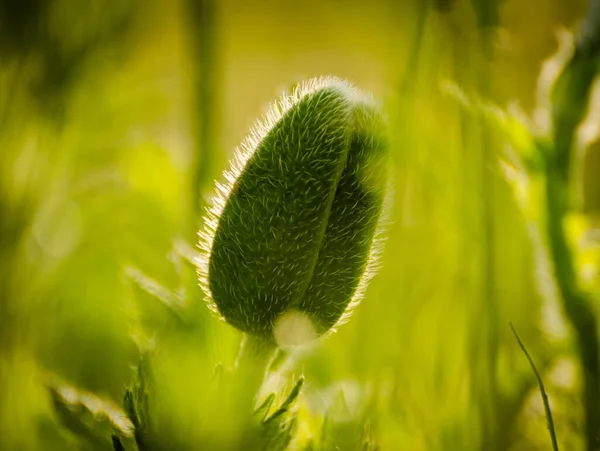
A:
x: 289, y: 242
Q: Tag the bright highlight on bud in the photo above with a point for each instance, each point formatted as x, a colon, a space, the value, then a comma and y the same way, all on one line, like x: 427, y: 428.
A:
x: 290, y: 238
x: 293, y: 328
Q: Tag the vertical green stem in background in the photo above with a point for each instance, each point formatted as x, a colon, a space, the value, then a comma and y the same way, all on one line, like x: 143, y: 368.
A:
x: 407, y: 78
x: 570, y: 98
x: 486, y: 12
x: 200, y: 17
x: 577, y: 307
x: 202, y: 23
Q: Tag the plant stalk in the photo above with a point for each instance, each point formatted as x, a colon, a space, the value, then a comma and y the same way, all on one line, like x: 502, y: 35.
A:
x: 570, y: 101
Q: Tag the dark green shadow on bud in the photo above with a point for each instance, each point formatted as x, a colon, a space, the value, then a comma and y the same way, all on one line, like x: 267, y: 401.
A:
x: 337, y: 283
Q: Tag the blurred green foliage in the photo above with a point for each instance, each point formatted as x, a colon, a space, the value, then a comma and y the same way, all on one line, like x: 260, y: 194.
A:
x: 116, y: 116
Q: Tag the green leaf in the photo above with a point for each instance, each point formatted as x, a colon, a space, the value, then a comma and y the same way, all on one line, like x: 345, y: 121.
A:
x: 173, y: 302
x: 136, y: 402
x: 263, y: 410
x: 289, y: 401
x: 93, y: 420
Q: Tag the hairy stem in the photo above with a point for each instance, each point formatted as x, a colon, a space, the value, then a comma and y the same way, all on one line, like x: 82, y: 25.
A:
x: 251, y: 364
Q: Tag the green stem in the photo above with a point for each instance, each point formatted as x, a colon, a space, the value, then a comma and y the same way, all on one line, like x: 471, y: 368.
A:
x: 202, y: 14
x: 251, y: 364
x: 487, y: 18
x: 407, y: 78
x: 576, y: 305
x: 570, y: 100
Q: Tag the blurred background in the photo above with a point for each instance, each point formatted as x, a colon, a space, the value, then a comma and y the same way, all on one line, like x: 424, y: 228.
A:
x: 117, y: 116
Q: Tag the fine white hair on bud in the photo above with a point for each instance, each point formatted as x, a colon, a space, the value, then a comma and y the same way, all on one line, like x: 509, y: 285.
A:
x: 294, y: 232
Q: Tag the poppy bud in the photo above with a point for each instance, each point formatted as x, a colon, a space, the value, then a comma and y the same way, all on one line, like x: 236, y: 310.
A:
x: 289, y: 242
